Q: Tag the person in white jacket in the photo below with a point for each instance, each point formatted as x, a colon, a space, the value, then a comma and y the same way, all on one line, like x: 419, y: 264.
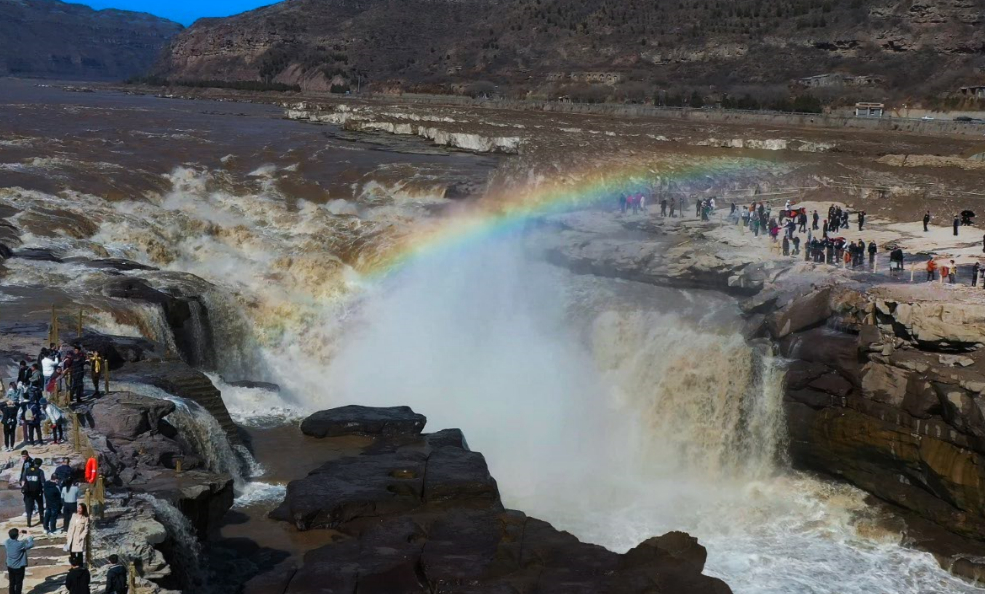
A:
x: 58, y: 420
x: 70, y: 500
x: 48, y: 366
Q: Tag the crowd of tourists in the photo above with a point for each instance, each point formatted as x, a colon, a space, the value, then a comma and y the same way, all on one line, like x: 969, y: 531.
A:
x: 821, y: 244
x: 29, y: 403
x: 29, y: 397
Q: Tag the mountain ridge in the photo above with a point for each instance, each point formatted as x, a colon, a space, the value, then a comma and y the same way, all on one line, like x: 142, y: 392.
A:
x: 544, y: 47
x: 51, y: 38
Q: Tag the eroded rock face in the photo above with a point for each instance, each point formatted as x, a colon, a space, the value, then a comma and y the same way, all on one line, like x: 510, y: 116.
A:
x: 883, y: 408
x: 185, y: 315
x: 420, y: 513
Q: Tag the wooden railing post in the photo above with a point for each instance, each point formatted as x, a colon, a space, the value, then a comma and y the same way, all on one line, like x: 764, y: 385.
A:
x: 77, y: 434
x: 88, y: 543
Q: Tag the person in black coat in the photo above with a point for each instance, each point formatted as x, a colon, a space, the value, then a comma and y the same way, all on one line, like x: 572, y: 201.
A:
x: 52, y: 506
x: 77, y: 368
x: 116, y: 577
x: 23, y: 373
x: 78, y: 578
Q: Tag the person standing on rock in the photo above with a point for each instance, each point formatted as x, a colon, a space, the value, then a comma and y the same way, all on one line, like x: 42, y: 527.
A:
x: 952, y: 271
x: 824, y: 231
x: 116, y: 577
x: 36, y: 385
x: 64, y: 473
x: 9, y: 419
x: 70, y: 502
x: 57, y: 418
x: 33, y: 490
x: 957, y: 223
x: 17, y: 559
x: 96, y: 363
x: 52, y: 506
x: 78, y: 530
x: 815, y: 218
x: 78, y: 578
x: 663, y: 207
x: 861, y: 219
x: 975, y: 271
x: 26, y: 462
x: 77, y: 367
x: 48, y: 365
x: 14, y: 392
x: 33, y: 416
x: 873, y: 248
x: 931, y: 268
x: 926, y: 221
x: 23, y: 373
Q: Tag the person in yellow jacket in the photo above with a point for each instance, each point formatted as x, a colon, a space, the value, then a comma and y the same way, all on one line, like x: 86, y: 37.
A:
x: 96, y: 363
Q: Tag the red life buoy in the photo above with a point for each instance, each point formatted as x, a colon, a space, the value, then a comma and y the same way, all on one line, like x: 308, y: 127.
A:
x: 91, y: 470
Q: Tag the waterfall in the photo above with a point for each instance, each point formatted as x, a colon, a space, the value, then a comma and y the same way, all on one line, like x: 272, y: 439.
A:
x: 185, y: 551
x: 705, y: 402
x: 202, y: 347
x: 199, y: 432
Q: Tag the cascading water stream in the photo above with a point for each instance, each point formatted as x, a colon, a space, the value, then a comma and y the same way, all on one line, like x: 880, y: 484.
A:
x: 199, y: 432
x: 185, y: 550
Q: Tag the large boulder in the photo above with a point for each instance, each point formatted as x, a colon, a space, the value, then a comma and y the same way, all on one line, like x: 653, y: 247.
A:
x: 388, y: 482
x: 124, y: 415
x: 118, y: 350
x: 943, y: 326
x: 416, y: 513
x: 488, y: 552
x: 803, y: 313
x: 364, y: 420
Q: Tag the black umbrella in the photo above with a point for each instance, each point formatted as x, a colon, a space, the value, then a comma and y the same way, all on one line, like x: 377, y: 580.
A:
x: 967, y: 213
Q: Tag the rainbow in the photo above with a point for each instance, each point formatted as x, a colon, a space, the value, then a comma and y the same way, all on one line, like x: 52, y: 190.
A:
x: 507, y: 213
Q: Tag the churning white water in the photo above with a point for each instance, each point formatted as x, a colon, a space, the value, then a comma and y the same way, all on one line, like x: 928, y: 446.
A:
x: 615, y: 412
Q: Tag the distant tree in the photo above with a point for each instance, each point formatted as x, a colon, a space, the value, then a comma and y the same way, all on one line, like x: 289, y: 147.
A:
x: 481, y: 88
x: 696, y: 101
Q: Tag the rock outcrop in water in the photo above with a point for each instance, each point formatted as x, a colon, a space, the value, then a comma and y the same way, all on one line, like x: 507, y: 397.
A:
x: 421, y: 513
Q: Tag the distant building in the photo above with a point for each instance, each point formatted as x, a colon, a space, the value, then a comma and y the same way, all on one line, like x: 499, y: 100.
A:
x: 869, y: 110
x: 977, y: 91
x: 839, y: 80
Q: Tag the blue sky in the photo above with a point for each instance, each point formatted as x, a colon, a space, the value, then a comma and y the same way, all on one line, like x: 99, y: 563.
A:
x: 182, y: 11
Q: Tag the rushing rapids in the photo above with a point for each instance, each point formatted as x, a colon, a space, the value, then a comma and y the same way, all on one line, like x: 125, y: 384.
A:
x: 614, y: 409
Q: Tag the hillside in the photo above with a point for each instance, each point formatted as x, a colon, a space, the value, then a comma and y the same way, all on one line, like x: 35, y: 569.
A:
x: 630, y: 48
x: 53, y: 39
